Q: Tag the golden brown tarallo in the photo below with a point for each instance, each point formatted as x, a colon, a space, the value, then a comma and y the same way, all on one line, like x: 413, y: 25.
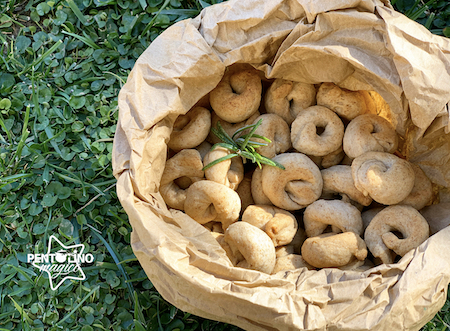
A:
x: 395, y: 230
x: 237, y: 96
x: 339, y: 215
x: 299, y: 185
x: 287, y: 99
x: 280, y: 225
x: 384, y: 177
x: 347, y: 104
x: 252, y: 247
x: 306, y: 136
x: 333, y: 250
x: 208, y: 201
x: 369, y: 133
x: 183, y: 169
x: 190, y: 130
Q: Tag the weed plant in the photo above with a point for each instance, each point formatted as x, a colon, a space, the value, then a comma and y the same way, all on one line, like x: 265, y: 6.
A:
x: 62, y: 64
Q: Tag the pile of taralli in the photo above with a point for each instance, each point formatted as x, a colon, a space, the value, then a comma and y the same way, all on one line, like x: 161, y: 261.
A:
x: 320, y: 180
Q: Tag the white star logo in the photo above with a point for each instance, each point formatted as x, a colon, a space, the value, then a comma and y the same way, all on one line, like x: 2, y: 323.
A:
x: 65, y: 262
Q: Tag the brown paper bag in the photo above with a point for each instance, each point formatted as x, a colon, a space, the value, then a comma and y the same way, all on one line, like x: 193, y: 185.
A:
x: 357, y: 44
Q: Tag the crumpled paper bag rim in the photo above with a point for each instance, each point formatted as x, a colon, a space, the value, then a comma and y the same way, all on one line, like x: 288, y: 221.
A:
x: 175, y: 266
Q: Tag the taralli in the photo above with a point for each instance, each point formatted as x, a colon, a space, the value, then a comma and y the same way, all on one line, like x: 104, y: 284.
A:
x: 368, y: 215
x: 180, y: 171
x: 345, y: 198
x: 346, y: 160
x: 347, y: 104
x: 329, y: 160
x: 274, y: 128
x: 253, y: 244
x: 215, y: 227
x: 284, y: 250
x: 299, y: 216
x: 341, y: 216
x: 304, y: 131
x: 422, y: 191
x: 290, y: 262
x: 338, y: 179
x: 191, y: 129
x: 368, y: 133
x: 299, y: 185
x: 220, y: 237
x: 245, y: 192
x: 332, y: 159
x: 237, y: 96
x: 333, y: 250
x: 257, y: 192
x: 280, y: 225
x: 229, y: 172
x: 384, y: 244
x: 208, y: 201
x: 203, y: 148
x: 385, y: 177
x: 287, y: 99
x: 229, y: 128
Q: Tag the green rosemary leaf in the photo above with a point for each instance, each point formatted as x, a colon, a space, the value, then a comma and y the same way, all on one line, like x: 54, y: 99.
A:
x: 259, y: 164
x: 213, y: 163
x: 241, y: 140
x: 261, y: 137
x: 251, y: 149
x: 242, y: 146
x: 266, y: 160
x: 250, y: 134
x: 224, y: 134
x: 243, y: 129
x: 248, y: 155
x: 222, y: 137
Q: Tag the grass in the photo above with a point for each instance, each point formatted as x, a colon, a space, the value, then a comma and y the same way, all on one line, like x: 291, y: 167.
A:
x: 62, y: 64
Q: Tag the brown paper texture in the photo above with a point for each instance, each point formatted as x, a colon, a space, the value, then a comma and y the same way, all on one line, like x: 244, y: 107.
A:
x: 357, y: 44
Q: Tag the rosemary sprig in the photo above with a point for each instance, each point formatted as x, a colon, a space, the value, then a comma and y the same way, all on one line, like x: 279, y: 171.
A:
x: 242, y: 146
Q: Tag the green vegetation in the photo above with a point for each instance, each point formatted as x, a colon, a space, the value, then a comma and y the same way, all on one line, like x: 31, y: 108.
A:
x: 241, y: 145
x: 433, y: 14
x: 62, y: 64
